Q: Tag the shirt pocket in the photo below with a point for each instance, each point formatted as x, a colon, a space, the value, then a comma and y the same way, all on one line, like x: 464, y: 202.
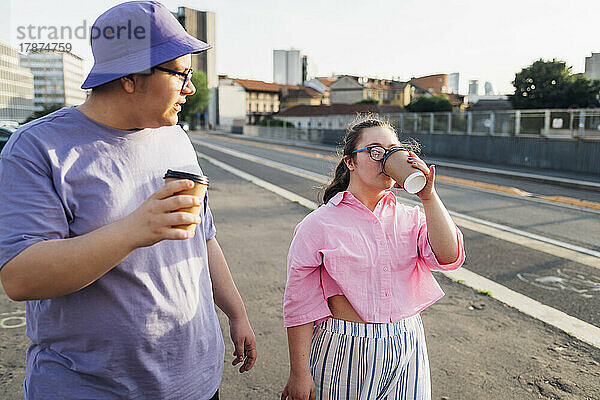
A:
x: 350, y: 270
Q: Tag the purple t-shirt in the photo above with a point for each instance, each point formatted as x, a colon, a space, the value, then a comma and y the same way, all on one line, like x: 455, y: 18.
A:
x: 148, y: 328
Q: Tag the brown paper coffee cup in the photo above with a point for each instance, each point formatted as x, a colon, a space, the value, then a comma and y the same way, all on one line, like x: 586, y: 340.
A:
x: 199, y: 189
x: 397, y: 167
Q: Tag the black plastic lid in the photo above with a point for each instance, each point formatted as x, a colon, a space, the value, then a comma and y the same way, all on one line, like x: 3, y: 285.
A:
x: 186, y: 175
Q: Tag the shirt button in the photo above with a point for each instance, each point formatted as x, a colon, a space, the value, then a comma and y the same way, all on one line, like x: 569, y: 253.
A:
x: 385, y: 268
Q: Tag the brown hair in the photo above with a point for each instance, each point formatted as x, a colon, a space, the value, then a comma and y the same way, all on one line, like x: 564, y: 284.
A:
x: 341, y: 176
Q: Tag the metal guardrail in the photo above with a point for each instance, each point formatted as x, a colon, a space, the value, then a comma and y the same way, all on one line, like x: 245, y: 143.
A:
x: 550, y: 123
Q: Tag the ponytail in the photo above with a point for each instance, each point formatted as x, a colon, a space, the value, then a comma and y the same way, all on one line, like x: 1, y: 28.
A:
x: 340, y: 182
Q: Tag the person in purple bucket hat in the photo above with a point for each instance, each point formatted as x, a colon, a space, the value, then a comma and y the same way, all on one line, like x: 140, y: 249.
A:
x: 120, y: 298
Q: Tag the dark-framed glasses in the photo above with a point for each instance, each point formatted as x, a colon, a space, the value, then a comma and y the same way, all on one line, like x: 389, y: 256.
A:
x: 187, y: 76
x: 378, y: 153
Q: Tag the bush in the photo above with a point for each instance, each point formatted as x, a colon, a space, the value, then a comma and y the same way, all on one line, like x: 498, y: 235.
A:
x: 430, y: 104
x: 274, y: 122
x: 368, y: 101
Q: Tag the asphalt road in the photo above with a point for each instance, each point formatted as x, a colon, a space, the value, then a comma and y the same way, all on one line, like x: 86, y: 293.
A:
x: 479, y: 348
x: 558, y: 282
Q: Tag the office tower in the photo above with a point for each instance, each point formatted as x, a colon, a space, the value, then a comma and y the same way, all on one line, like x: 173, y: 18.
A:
x: 592, y: 66
x: 16, y: 86
x: 489, y: 90
x: 474, y: 87
x: 201, y: 25
x: 288, y: 67
x: 57, y: 78
x: 453, y: 82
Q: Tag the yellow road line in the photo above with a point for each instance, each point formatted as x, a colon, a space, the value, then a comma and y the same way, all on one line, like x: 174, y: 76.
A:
x: 442, y: 178
x: 531, y: 243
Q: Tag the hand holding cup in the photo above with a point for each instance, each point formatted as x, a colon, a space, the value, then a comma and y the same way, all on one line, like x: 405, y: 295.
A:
x: 199, y: 190
x: 406, y: 174
x: 160, y: 216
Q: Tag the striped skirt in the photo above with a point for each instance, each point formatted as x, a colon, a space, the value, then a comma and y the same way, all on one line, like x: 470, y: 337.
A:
x: 352, y: 361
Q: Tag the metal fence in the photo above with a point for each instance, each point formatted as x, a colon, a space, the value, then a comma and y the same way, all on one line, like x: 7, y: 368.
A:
x: 561, y: 140
x: 554, y: 123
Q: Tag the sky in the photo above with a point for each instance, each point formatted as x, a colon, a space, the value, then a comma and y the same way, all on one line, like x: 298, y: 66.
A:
x: 485, y: 40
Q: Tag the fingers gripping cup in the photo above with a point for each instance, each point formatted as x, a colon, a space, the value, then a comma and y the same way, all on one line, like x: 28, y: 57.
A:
x: 396, y: 166
x: 199, y: 189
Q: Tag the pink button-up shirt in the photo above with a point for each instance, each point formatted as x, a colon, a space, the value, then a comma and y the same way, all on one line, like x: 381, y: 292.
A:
x: 381, y: 261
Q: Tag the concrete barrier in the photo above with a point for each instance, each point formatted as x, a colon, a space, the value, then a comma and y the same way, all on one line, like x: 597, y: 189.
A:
x: 559, y: 154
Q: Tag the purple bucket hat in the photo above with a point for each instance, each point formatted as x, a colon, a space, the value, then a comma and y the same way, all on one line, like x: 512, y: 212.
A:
x: 135, y: 36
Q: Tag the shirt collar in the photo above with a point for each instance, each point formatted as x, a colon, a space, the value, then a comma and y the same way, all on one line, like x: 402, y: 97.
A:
x: 347, y: 196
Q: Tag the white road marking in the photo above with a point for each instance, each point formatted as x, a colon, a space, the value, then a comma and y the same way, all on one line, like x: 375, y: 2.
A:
x: 269, y: 163
x: 571, y: 325
x: 531, y: 240
x: 12, y: 319
x: 262, y: 183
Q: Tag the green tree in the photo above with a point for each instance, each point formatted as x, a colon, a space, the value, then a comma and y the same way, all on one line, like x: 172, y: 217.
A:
x: 369, y: 100
x: 435, y: 103
x: 550, y: 84
x: 47, y: 109
x: 583, y: 92
x: 198, y: 101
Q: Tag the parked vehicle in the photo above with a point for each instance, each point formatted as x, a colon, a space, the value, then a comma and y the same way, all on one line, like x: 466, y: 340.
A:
x: 5, y: 132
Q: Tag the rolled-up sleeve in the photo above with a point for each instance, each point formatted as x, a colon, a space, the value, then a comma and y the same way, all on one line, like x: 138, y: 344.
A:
x: 426, y: 252
x: 304, y: 300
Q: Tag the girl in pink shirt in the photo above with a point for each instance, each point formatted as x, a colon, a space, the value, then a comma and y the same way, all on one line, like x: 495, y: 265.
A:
x: 359, y: 273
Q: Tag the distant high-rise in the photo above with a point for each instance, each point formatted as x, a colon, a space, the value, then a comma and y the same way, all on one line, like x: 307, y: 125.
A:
x: 201, y: 25
x: 489, y: 90
x: 473, y: 87
x: 57, y: 78
x: 288, y: 67
x: 304, y: 69
x: 592, y: 66
x: 16, y: 86
x: 453, y: 81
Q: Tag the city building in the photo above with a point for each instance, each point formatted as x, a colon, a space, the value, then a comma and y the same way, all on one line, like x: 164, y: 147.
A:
x: 289, y: 67
x: 592, y: 66
x: 16, y: 86
x: 435, y: 84
x: 57, y: 78
x: 473, y: 87
x: 201, y: 25
x: 321, y: 85
x: 473, y: 99
x: 296, y: 95
x: 334, y: 116
x: 245, y: 101
x: 453, y: 82
x: 348, y: 89
x: 488, y: 89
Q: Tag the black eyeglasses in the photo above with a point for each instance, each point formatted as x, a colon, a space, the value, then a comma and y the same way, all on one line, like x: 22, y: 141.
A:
x: 187, y: 75
x: 378, y: 153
